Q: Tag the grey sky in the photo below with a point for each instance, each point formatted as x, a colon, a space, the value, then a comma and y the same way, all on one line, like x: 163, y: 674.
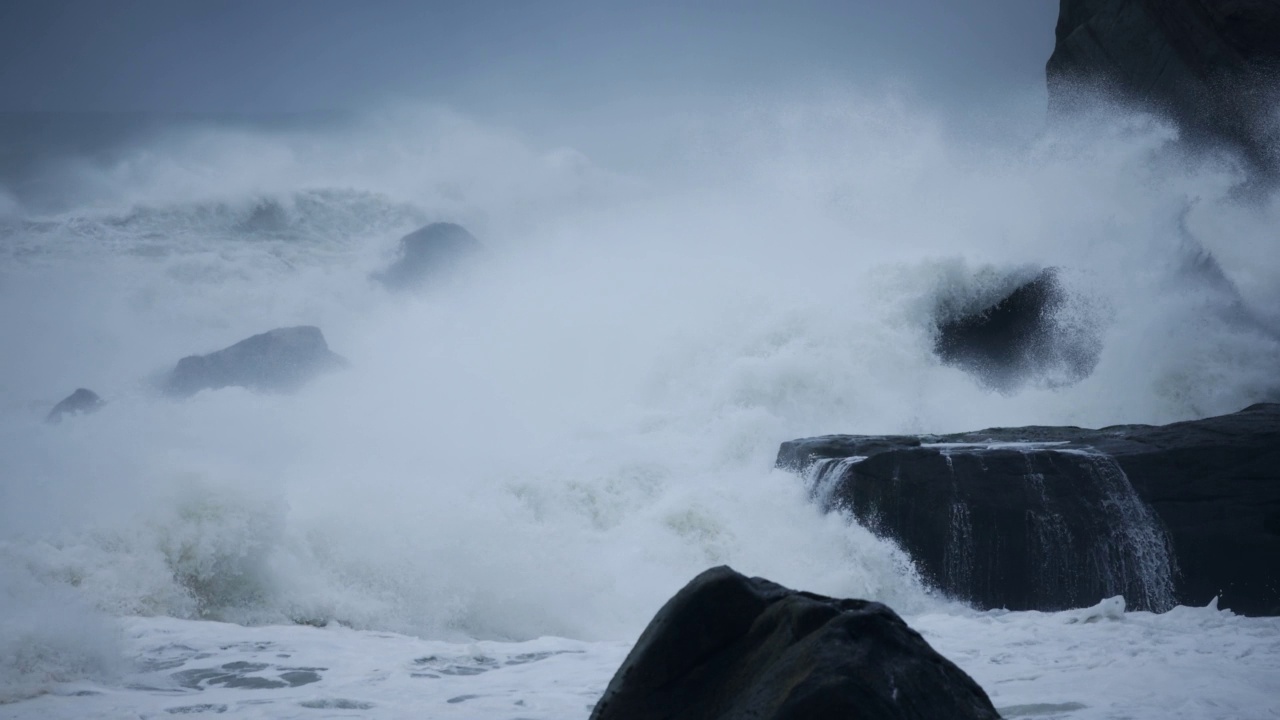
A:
x: 305, y: 55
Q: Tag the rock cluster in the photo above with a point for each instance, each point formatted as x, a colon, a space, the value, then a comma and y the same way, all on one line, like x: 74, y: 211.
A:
x: 284, y: 359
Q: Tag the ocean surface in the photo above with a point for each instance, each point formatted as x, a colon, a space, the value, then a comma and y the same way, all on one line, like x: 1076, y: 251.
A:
x: 524, y: 461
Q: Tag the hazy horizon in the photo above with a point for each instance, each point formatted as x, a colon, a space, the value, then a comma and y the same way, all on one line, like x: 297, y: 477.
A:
x: 621, y: 83
x: 291, y: 56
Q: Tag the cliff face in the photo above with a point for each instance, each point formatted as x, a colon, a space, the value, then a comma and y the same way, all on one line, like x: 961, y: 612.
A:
x: 1049, y: 518
x: 1210, y: 65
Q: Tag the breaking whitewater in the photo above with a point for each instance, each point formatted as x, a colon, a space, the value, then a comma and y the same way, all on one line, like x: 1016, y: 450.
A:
x: 524, y: 460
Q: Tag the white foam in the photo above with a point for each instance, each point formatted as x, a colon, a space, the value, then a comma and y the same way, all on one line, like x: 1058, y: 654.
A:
x: 1105, y: 663
x: 554, y: 443
x: 49, y: 638
x: 199, y: 668
x: 1187, y: 664
x: 994, y: 445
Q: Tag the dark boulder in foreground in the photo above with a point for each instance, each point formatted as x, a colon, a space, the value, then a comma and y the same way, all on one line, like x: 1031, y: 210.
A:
x: 1210, y: 65
x: 427, y: 253
x: 279, y: 360
x: 81, y: 401
x: 729, y: 646
x: 1053, y: 517
x: 1022, y: 336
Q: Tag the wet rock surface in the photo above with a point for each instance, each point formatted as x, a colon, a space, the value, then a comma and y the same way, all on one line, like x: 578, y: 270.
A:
x: 1208, y: 64
x: 729, y: 646
x: 429, y: 253
x: 280, y: 360
x: 1054, y: 517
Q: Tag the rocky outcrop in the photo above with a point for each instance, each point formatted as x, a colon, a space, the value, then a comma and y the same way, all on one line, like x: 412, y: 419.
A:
x: 1019, y: 338
x: 428, y: 253
x: 82, y: 400
x: 279, y: 360
x: 1054, y: 517
x: 728, y: 646
x: 1208, y: 64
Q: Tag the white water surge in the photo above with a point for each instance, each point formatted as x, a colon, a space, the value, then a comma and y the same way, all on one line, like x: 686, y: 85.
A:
x: 533, y: 456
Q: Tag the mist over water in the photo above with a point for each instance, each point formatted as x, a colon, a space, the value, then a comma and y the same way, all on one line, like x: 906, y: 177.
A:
x: 553, y: 441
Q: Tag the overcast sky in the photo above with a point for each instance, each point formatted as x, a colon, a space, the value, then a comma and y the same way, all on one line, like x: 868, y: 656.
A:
x: 251, y: 56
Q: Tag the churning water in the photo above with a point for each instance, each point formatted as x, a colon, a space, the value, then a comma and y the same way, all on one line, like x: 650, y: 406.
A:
x: 549, y: 444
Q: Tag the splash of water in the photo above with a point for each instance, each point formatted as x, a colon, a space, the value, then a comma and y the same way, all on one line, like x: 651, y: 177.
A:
x: 556, y: 441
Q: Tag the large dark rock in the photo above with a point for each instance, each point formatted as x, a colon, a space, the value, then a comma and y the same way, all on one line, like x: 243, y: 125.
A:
x: 279, y: 360
x: 1054, y: 517
x: 1208, y: 64
x: 729, y: 646
x: 428, y: 253
x: 1021, y: 337
x: 81, y: 401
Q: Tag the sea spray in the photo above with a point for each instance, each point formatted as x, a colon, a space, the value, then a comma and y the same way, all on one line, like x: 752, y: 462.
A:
x: 567, y: 434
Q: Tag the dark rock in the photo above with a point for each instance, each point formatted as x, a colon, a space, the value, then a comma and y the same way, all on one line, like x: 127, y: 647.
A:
x: 1021, y: 528
x: 1054, y: 517
x: 1020, y: 337
x: 1207, y: 64
x: 428, y: 253
x: 728, y: 646
x: 80, y: 401
x: 280, y: 360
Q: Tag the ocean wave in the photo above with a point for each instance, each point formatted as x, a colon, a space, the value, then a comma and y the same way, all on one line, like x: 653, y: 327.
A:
x: 555, y: 442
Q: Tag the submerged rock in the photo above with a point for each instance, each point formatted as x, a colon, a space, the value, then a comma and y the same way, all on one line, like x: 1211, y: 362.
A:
x: 1210, y: 65
x: 279, y: 360
x: 82, y: 400
x: 729, y: 646
x: 428, y: 253
x: 267, y: 216
x: 1020, y: 337
x: 1048, y: 518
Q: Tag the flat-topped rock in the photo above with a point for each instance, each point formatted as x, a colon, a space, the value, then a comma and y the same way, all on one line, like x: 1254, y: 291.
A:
x: 1054, y: 517
x: 280, y: 360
